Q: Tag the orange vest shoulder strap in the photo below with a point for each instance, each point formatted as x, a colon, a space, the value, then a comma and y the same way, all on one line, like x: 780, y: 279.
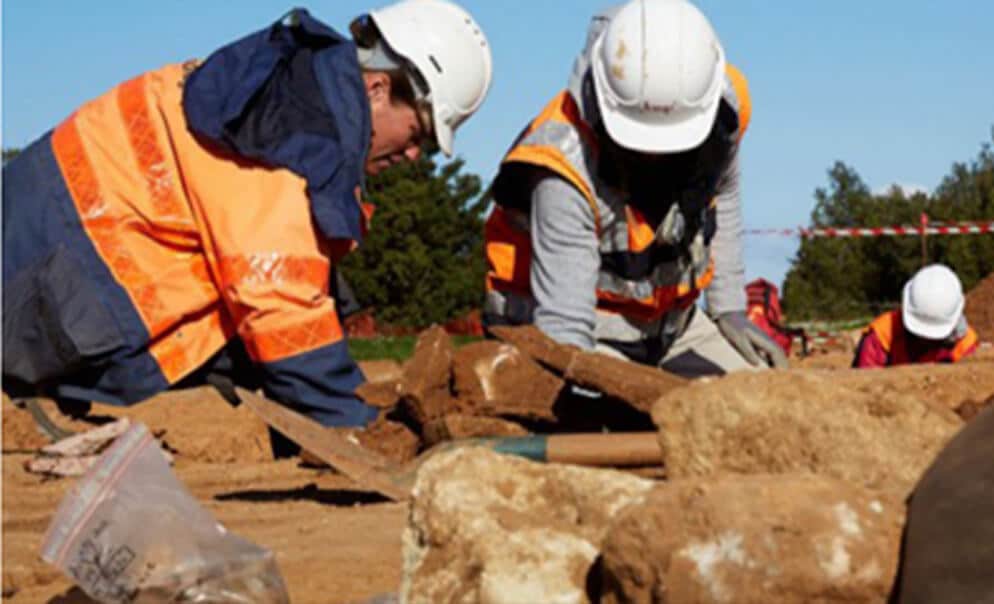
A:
x: 561, y: 109
x: 741, y: 87
x: 886, y: 327
x: 965, y: 344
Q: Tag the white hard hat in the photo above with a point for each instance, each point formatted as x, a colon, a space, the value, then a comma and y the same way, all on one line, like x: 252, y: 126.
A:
x: 932, y: 304
x: 659, y: 73
x: 449, y: 50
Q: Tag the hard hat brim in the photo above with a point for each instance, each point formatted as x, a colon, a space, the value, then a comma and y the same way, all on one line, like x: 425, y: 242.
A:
x: 399, y: 37
x: 673, y: 137
x: 624, y: 127
x: 443, y: 132
x: 412, y: 31
x: 926, y: 328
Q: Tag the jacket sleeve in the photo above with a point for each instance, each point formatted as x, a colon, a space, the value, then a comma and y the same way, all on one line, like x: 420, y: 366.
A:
x: 727, y: 291
x: 870, y: 352
x: 273, y: 269
x: 565, y: 263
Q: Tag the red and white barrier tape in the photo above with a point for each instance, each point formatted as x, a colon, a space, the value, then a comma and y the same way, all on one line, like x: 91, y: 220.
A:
x: 965, y: 228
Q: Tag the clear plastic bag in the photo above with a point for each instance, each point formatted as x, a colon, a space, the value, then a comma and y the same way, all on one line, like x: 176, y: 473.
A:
x: 130, y: 532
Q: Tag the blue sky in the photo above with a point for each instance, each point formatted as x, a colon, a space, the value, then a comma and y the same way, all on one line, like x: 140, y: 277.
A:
x: 898, y: 89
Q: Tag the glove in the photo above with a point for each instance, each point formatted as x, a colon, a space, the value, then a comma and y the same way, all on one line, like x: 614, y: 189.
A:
x: 749, y: 340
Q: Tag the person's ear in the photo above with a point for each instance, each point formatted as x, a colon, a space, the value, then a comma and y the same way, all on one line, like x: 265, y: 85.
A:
x: 377, y: 86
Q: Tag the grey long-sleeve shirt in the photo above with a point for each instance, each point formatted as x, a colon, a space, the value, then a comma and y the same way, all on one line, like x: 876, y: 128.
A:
x: 566, y: 260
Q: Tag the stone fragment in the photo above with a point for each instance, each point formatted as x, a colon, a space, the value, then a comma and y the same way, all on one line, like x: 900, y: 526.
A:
x: 425, y: 387
x: 505, y: 382
x: 456, y: 426
x: 495, y: 529
x: 801, y: 420
x: 790, y: 539
x: 637, y: 385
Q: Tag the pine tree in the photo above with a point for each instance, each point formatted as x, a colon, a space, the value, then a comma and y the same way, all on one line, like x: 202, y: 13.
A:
x: 422, y: 261
x: 858, y: 278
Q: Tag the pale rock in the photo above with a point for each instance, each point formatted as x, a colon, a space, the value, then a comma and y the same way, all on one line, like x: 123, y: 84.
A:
x: 495, y: 529
x: 788, y: 538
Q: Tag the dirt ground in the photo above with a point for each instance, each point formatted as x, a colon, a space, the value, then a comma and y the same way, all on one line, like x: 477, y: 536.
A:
x: 979, y: 310
x: 332, y: 544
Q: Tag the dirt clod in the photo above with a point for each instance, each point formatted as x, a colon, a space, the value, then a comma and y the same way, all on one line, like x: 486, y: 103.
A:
x: 384, y: 395
x: 502, y: 381
x: 457, y: 425
x: 980, y: 308
x: 393, y: 440
x: 637, y: 385
x: 425, y: 388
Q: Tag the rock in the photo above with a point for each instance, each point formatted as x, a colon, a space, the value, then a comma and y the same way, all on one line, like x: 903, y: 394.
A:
x: 637, y: 385
x: 495, y: 529
x: 377, y: 371
x: 948, y: 385
x: 393, y: 440
x: 979, y: 308
x: 425, y: 387
x: 948, y: 553
x: 754, y: 539
x: 804, y: 420
x: 503, y: 381
x: 457, y: 425
x: 383, y: 395
x: 531, y: 341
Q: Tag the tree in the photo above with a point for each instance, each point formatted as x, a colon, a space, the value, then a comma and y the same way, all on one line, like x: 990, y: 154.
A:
x: 856, y: 278
x: 422, y: 261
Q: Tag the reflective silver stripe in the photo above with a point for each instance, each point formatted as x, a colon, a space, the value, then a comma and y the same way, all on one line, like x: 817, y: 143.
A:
x: 516, y: 309
x: 613, y: 220
x: 567, y: 139
x: 610, y: 282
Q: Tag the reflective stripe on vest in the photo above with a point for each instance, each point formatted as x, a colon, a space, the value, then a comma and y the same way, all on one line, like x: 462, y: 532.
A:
x: 634, y: 279
x: 137, y: 178
x: 92, y: 139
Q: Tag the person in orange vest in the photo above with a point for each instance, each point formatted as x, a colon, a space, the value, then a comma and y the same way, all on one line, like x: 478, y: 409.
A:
x: 619, y: 204
x: 198, y: 210
x: 928, y: 328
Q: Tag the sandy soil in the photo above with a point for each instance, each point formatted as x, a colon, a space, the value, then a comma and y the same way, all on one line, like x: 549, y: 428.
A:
x: 332, y: 543
x: 979, y: 310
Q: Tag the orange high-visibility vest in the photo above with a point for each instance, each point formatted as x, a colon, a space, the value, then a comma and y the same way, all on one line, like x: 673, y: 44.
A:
x: 559, y: 140
x: 890, y: 331
x: 205, y: 245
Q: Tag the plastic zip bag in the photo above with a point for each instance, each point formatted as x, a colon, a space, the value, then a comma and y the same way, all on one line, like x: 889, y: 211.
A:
x: 130, y: 532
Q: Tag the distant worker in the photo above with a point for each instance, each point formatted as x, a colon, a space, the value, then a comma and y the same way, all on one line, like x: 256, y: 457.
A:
x: 206, y: 203
x: 928, y: 328
x: 620, y: 203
